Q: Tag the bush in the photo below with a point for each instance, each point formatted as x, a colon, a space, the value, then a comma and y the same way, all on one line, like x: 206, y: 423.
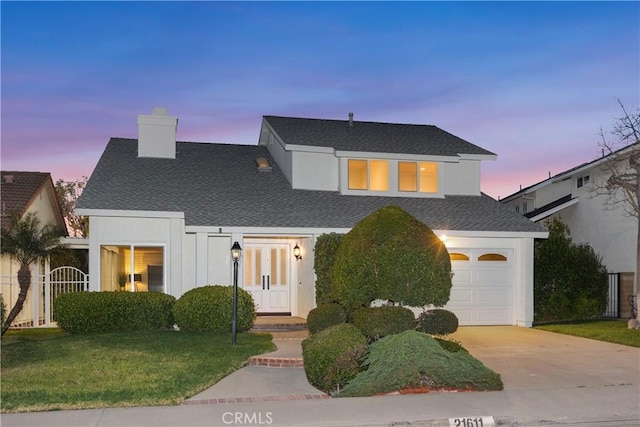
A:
x: 3, y: 311
x: 412, y: 359
x: 379, y: 322
x: 210, y: 308
x: 570, y: 282
x: 89, y: 312
x: 325, y: 315
x: 437, y: 322
x: 324, y: 257
x: 333, y: 356
x: 390, y: 255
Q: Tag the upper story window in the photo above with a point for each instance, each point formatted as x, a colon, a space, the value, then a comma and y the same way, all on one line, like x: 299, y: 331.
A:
x: 582, y: 181
x: 370, y: 175
x: 418, y: 176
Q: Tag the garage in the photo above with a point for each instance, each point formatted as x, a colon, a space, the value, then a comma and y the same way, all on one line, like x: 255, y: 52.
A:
x: 483, y: 286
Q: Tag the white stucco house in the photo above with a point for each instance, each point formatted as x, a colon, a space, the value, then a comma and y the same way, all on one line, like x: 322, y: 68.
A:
x: 166, y: 213
x: 570, y: 196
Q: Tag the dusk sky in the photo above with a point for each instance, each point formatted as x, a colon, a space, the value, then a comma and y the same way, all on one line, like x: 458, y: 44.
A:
x: 532, y: 82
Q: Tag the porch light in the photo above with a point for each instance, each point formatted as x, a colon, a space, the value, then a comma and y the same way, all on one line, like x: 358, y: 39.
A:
x: 297, y: 252
x: 236, y: 250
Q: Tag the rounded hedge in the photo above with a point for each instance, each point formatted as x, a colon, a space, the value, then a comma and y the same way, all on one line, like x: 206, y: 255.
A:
x: 378, y: 322
x: 324, y: 316
x: 437, y: 322
x: 333, y: 356
x: 90, y: 312
x: 210, y: 308
x: 390, y: 255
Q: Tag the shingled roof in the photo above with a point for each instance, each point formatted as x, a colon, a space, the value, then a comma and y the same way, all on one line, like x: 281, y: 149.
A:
x: 19, y: 189
x: 220, y: 185
x: 376, y: 137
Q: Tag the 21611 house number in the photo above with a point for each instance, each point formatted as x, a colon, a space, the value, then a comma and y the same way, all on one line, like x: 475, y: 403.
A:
x: 472, y: 422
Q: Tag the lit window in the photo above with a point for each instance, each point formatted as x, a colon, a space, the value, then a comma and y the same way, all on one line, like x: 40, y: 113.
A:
x: 357, y: 174
x: 492, y: 257
x: 428, y: 177
x: 379, y: 179
x: 369, y: 175
x: 407, y: 176
x: 454, y: 256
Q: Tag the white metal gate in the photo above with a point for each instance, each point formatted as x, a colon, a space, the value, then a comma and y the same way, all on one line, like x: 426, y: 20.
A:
x: 39, y: 304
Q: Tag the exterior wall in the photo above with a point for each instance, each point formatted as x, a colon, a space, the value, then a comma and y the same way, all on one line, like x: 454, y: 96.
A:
x: 165, y: 232
x: 315, y: 171
x: 44, y: 205
x: 282, y: 157
x: 461, y: 178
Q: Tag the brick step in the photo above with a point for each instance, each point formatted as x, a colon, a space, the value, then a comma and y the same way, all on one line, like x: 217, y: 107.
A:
x: 276, y: 362
x: 279, y: 327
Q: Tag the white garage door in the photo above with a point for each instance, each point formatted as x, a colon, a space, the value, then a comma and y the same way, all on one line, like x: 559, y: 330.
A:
x: 482, y: 291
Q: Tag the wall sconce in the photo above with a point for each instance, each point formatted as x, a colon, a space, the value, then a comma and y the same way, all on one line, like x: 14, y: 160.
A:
x: 297, y: 252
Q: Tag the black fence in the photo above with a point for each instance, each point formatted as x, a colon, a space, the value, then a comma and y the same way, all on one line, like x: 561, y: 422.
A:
x: 613, y: 297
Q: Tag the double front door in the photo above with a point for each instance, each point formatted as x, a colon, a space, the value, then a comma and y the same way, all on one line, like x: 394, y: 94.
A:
x: 266, y: 276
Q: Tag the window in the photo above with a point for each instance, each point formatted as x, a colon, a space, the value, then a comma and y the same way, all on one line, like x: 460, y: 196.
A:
x: 524, y: 208
x: 410, y: 180
x: 369, y: 175
x: 492, y: 257
x: 119, y: 263
x: 583, y: 180
x: 454, y: 256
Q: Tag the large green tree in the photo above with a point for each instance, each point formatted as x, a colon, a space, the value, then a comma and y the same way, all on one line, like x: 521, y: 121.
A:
x: 390, y: 255
x: 27, y: 242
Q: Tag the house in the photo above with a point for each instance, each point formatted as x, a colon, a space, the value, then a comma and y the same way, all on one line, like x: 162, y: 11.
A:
x: 22, y: 193
x: 166, y: 213
x: 571, y: 197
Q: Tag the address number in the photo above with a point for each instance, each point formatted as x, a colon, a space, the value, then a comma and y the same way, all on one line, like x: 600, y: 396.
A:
x: 472, y: 422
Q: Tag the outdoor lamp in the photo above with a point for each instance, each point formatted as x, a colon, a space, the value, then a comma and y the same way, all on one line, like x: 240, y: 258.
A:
x: 236, y: 250
x: 297, y: 252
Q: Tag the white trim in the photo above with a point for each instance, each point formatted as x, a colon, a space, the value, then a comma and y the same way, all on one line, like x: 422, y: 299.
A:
x: 550, y: 212
x: 124, y: 213
x: 396, y: 156
x: 309, y: 148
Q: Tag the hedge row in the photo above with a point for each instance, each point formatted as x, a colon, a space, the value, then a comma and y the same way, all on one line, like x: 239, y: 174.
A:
x: 87, y: 312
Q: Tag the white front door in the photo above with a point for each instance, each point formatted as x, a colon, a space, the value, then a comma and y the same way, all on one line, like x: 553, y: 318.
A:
x: 266, y: 276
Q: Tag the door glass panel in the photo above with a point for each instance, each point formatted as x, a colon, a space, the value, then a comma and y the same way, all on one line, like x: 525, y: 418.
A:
x: 283, y: 265
x: 248, y: 276
x: 274, y: 267
x: 258, y: 268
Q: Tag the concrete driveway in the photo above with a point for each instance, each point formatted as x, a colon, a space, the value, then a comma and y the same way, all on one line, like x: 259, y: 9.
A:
x: 531, y: 359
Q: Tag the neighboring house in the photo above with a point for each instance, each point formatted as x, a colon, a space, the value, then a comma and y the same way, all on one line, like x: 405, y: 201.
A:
x: 569, y: 196
x: 166, y: 213
x: 22, y: 193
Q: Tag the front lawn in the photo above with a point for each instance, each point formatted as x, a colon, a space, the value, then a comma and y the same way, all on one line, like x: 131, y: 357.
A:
x: 50, y: 369
x: 614, y: 331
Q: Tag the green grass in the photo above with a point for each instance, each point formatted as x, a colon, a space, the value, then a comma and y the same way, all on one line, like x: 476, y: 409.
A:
x: 50, y: 369
x: 614, y: 331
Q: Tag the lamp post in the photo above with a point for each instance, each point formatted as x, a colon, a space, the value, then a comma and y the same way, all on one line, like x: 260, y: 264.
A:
x: 236, y: 250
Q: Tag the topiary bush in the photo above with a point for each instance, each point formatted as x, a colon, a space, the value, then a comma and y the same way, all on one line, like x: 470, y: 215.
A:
x: 324, y: 257
x: 437, y: 322
x: 378, y: 322
x: 91, y: 312
x: 410, y: 360
x: 390, y: 255
x: 324, y: 316
x: 570, y: 282
x: 210, y: 308
x: 333, y: 356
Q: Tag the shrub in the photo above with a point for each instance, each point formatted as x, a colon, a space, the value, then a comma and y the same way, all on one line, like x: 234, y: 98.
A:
x: 570, y: 282
x: 412, y: 359
x: 210, y: 308
x: 324, y: 257
x: 88, y: 312
x: 325, y: 315
x: 379, y: 322
x: 390, y: 255
x: 333, y: 356
x: 3, y: 311
x: 437, y: 322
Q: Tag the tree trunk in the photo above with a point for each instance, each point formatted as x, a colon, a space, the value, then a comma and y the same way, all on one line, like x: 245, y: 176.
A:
x: 24, y: 280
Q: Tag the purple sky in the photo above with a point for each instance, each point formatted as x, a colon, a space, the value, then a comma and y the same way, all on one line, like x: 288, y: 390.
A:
x: 532, y: 82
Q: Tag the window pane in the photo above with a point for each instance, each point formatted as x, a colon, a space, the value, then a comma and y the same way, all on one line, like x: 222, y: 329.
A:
x: 379, y: 180
x: 428, y: 177
x: 357, y: 174
x: 407, y: 176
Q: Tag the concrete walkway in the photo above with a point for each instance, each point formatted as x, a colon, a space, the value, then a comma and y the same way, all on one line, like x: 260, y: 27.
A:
x: 550, y: 380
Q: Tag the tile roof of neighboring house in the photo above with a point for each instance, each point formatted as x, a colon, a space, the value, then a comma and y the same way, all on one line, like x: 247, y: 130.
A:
x: 372, y: 137
x: 220, y: 185
x: 18, y: 190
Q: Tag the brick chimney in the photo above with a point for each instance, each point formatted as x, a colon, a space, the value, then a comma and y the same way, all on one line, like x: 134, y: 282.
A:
x: 157, y: 134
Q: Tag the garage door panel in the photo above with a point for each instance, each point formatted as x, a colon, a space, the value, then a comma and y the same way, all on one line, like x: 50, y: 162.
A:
x: 493, y: 296
x: 492, y: 316
x: 461, y: 276
x: 463, y: 295
x: 499, y: 276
